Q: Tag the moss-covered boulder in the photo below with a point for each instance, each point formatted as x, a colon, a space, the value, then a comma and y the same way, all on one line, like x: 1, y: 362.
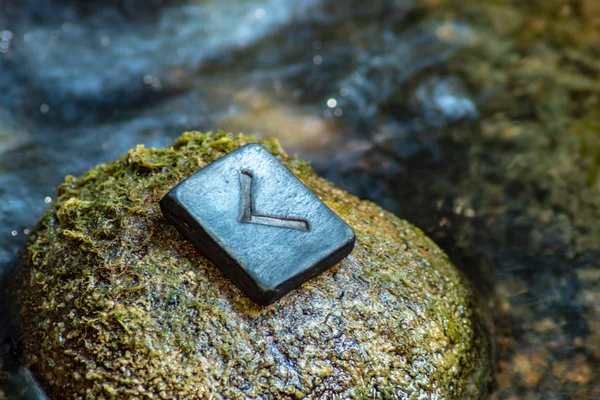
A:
x: 112, y: 302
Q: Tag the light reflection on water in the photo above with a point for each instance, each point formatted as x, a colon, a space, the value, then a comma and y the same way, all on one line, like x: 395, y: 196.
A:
x: 82, y: 87
x: 82, y: 83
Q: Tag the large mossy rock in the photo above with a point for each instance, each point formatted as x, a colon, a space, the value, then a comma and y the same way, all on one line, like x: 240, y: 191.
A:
x: 112, y: 302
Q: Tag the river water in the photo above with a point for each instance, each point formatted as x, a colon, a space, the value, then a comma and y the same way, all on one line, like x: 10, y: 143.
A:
x: 449, y: 114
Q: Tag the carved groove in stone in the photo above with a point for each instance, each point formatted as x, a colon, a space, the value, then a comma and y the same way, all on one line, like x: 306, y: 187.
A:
x: 247, y: 209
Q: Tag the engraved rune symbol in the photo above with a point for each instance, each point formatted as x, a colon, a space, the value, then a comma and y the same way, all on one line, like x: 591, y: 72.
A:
x: 248, y: 215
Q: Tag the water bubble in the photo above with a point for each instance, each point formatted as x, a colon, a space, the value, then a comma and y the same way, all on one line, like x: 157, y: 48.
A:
x: 14, y: 233
x: 318, y: 60
x: 259, y: 13
x: 338, y: 112
x: 6, y: 35
x: 331, y: 103
x: 48, y: 200
x: 44, y: 108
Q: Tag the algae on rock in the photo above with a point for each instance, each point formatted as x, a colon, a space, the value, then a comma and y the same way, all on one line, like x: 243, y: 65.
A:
x: 112, y: 302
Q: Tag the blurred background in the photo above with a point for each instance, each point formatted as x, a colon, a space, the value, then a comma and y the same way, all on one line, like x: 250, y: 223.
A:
x: 478, y: 121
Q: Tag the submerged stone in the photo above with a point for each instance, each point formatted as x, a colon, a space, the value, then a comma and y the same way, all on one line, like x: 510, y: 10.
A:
x: 111, y: 301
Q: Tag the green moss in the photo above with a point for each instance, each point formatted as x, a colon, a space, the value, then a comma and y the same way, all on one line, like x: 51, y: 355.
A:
x: 587, y: 131
x: 113, y: 302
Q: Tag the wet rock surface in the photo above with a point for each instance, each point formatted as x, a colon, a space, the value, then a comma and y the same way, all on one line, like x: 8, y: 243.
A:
x: 476, y: 121
x: 112, y: 301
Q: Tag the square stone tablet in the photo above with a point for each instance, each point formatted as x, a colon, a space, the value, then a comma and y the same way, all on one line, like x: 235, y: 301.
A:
x: 258, y: 223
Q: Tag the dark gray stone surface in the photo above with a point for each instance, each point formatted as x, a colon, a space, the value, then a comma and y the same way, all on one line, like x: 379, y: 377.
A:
x: 258, y: 223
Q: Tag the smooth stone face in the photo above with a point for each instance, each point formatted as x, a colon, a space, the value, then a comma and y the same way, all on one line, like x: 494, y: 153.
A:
x: 112, y: 302
x: 258, y: 223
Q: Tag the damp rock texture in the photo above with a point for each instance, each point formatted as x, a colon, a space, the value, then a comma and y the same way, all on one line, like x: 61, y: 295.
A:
x: 111, y: 302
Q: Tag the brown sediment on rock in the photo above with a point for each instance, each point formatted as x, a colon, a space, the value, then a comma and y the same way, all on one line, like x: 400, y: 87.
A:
x: 112, y: 302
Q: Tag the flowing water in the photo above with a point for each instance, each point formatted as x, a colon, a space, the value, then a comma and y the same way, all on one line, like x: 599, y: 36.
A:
x: 473, y: 120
